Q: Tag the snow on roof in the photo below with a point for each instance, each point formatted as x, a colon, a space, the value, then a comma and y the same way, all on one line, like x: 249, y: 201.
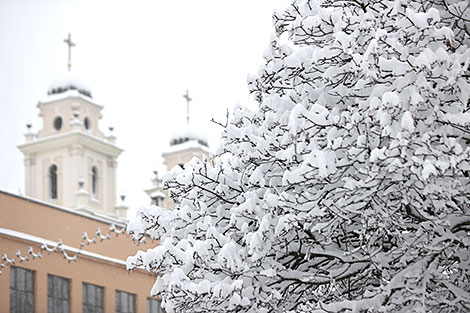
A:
x: 68, y: 82
x: 186, y: 134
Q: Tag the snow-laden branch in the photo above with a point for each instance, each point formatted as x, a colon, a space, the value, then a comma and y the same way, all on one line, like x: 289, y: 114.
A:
x: 347, y: 190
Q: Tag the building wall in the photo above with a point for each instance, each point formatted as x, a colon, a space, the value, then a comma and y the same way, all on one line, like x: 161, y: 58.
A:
x: 108, y: 275
x: 54, y: 223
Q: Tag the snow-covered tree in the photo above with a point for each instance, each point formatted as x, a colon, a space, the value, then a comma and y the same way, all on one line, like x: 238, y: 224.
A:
x: 348, y: 188
x: 456, y: 14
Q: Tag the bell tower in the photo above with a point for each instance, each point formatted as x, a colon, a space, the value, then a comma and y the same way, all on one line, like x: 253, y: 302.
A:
x: 185, y: 144
x: 70, y: 162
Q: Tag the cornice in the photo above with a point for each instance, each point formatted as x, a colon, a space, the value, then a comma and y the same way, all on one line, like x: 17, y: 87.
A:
x: 75, y: 137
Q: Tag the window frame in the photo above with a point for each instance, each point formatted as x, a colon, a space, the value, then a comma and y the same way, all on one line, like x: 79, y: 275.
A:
x: 53, y: 178
x: 118, y: 297
x: 158, y: 201
x: 87, y: 123
x: 64, y: 297
x: 19, y: 296
x: 57, y: 123
x: 150, y: 305
x: 94, y: 307
x: 95, y: 181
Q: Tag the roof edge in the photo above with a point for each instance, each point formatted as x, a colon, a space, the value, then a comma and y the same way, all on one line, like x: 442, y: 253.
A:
x: 107, y: 220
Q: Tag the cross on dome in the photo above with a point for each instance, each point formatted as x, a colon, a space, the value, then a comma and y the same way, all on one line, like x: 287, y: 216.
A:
x: 188, y: 99
x: 70, y: 44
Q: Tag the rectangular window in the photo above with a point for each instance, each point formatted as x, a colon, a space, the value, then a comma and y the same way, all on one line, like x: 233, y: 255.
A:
x: 125, y: 302
x: 58, y: 294
x: 154, y: 306
x: 21, y: 290
x: 92, y: 298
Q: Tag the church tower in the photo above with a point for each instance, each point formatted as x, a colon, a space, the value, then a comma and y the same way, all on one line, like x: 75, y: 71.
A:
x: 185, y: 144
x: 70, y: 162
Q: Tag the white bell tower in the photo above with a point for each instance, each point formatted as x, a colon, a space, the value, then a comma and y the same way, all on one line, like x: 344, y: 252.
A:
x: 185, y: 144
x: 70, y: 162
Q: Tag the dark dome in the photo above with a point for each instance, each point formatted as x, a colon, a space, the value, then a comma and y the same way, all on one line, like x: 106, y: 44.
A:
x: 66, y: 83
x: 188, y: 134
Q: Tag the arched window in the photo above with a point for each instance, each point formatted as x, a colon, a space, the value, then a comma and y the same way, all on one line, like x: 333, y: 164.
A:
x: 58, y: 123
x: 94, y: 181
x: 86, y: 122
x: 53, y: 181
x: 158, y: 201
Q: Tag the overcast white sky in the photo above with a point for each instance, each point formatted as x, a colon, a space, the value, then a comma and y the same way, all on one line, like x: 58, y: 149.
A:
x: 138, y: 57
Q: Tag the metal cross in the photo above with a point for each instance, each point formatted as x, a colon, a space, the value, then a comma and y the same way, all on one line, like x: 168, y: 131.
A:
x: 71, y: 44
x: 188, y: 99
